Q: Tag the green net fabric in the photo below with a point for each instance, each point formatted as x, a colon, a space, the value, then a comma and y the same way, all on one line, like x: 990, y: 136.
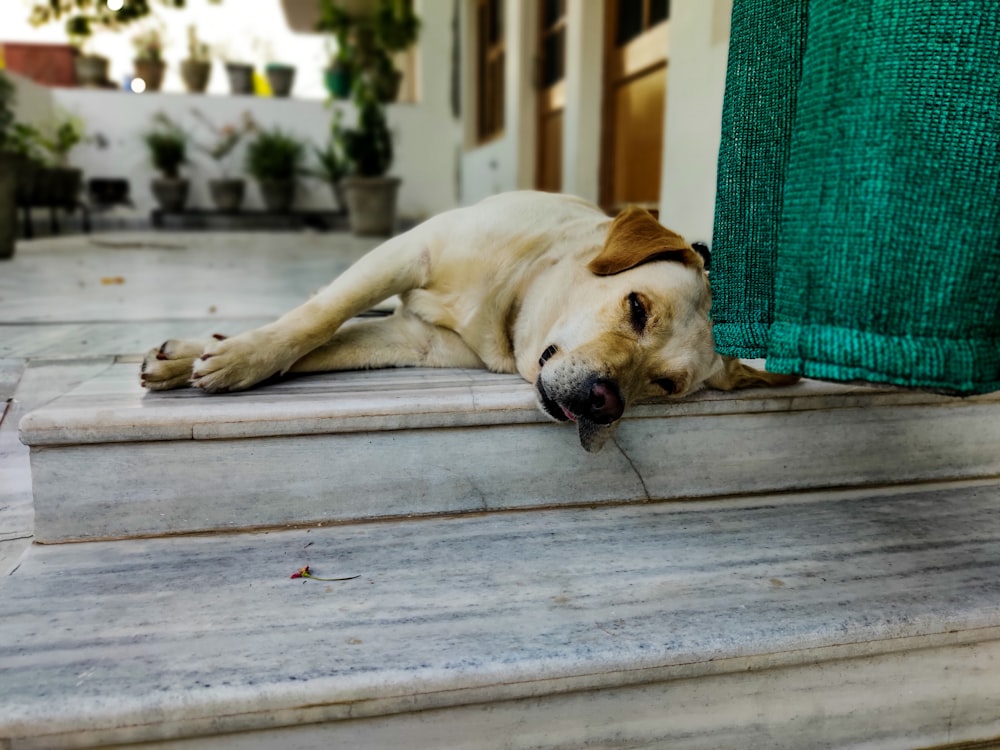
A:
x: 857, y: 224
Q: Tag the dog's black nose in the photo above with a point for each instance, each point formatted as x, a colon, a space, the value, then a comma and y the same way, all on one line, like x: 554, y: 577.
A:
x: 604, y: 403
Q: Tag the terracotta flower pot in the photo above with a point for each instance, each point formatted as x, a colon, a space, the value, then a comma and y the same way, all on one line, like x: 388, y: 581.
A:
x: 150, y: 71
x: 196, y: 74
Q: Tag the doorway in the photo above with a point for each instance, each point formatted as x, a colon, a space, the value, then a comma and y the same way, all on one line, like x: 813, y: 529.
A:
x: 635, y: 86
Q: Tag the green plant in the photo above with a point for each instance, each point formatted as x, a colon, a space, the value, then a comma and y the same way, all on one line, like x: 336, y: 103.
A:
x: 365, y: 44
x: 395, y: 24
x: 17, y: 138
x: 274, y: 155
x: 332, y: 165
x: 62, y: 138
x: 83, y: 16
x: 8, y: 97
x: 368, y: 146
x: 25, y: 140
x: 148, y: 46
x: 225, y: 139
x: 197, y: 50
x: 167, y: 144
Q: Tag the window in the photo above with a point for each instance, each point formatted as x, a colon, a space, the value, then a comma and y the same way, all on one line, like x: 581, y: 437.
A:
x: 489, y: 69
x: 636, y: 16
x: 552, y: 43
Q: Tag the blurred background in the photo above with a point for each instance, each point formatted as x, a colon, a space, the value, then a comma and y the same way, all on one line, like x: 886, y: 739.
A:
x: 617, y: 101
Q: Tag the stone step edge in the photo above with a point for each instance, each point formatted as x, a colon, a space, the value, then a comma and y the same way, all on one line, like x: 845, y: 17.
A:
x: 338, y: 403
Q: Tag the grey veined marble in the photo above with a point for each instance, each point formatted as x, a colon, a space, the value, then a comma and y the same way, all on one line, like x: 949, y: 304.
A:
x: 859, y: 614
x: 345, y: 446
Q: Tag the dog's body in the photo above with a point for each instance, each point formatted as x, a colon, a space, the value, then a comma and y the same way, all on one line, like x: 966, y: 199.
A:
x: 595, y: 313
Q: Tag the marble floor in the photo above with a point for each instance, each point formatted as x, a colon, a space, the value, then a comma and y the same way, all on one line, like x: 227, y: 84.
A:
x: 853, y: 611
x: 73, y: 306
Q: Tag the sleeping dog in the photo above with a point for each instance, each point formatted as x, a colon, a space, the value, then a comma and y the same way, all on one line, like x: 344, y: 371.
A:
x: 596, y: 313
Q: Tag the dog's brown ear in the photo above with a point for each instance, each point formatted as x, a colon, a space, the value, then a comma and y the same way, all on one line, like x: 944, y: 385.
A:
x: 734, y: 375
x: 634, y: 238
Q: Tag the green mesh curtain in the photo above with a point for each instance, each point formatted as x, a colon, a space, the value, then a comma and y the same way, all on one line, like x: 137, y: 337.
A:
x: 857, y: 225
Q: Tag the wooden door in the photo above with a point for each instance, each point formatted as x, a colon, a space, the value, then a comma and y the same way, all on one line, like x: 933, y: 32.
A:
x: 550, y: 71
x: 635, y: 89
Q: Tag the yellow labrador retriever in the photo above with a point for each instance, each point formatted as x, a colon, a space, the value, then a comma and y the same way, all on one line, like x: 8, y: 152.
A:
x: 596, y: 313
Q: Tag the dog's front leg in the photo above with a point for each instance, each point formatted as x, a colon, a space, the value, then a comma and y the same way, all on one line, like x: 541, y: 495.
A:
x: 401, y: 340
x: 236, y: 363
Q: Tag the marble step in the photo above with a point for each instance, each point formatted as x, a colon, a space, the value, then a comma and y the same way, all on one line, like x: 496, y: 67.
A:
x: 848, y: 618
x: 111, y: 461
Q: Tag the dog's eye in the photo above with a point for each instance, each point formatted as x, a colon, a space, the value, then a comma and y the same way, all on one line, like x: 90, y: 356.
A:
x: 667, y: 384
x: 637, y: 312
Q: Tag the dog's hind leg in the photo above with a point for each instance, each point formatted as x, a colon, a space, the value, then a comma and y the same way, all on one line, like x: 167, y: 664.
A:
x: 401, y: 340
x: 396, y: 266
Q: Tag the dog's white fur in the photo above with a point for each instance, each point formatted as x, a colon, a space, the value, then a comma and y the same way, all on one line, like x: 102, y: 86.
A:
x: 596, y: 313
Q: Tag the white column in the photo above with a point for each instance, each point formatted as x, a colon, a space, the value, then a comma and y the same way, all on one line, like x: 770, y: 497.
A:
x: 584, y: 90
x: 696, y: 79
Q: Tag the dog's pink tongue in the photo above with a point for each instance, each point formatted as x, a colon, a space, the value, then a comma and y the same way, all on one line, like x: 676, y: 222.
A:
x: 569, y: 415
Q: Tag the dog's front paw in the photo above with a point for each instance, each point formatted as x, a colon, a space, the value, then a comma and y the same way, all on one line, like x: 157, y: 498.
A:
x: 169, y: 365
x: 237, y: 363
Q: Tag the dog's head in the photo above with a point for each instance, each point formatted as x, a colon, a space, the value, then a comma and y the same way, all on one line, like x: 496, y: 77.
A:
x: 646, y: 332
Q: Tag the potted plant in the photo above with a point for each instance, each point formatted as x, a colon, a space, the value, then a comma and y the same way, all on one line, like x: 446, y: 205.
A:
x: 167, y: 144
x: 339, y: 75
x: 240, y: 78
x: 148, y: 61
x: 197, y: 68
x: 91, y: 69
x: 10, y: 160
x: 24, y: 152
x: 366, y: 42
x: 275, y: 160
x: 303, y: 16
x: 331, y: 166
x: 58, y: 182
x: 81, y: 17
x: 370, y: 195
x: 280, y: 77
x: 227, y: 192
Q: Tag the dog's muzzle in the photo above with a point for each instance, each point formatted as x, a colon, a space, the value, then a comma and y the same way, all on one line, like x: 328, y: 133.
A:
x: 595, y: 405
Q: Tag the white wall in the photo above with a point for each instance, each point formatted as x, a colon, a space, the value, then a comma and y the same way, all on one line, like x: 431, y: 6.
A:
x: 426, y: 134
x: 121, y: 119
x: 696, y: 79
x: 34, y: 103
x: 581, y: 157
